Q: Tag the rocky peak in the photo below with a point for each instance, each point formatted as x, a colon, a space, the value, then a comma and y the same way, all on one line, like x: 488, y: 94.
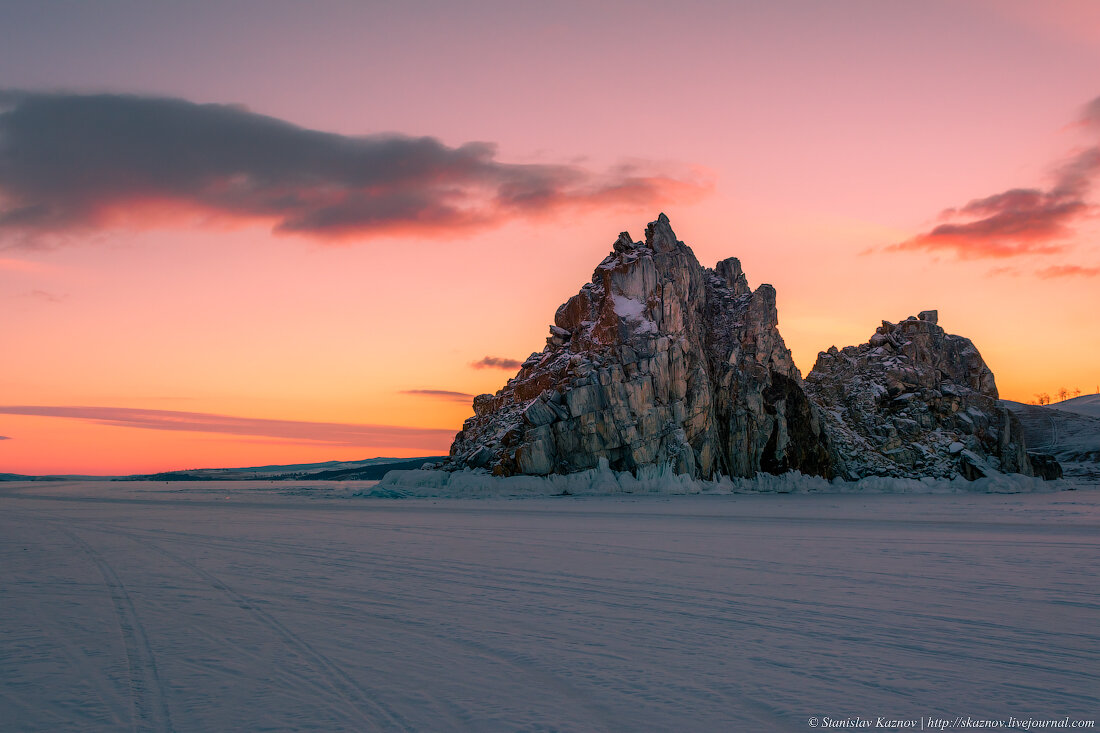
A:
x: 659, y: 237
x: 729, y: 276
x: 655, y: 360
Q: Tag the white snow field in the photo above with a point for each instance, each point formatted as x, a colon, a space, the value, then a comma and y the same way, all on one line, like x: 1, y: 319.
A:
x: 258, y: 606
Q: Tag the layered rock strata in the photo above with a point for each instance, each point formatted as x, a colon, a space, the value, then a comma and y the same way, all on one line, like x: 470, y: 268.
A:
x: 655, y: 361
x: 914, y: 401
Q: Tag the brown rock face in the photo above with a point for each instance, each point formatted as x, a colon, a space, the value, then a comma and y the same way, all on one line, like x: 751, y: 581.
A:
x: 914, y: 401
x: 656, y: 360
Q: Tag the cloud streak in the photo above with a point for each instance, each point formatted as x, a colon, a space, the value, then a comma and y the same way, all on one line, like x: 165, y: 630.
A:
x: 76, y: 163
x: 1021, y: 221
x: 442, y: 394
x: 496, y: 362
x: 45, y: 296
x: 13, y: 265
x: 1048, y: 273
x: 336, y: 434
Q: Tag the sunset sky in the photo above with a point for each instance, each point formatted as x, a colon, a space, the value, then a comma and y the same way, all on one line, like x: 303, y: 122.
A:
x: 276, y: 232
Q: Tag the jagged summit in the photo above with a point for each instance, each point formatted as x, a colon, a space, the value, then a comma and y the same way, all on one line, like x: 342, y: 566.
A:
x: 658, y: 360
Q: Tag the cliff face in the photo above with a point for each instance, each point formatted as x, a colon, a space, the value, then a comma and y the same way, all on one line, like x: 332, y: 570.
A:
x: 656, y: 360
x: 914, y: 401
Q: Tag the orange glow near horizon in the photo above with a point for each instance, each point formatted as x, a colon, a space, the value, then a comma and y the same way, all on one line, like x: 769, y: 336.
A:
x: 819, y: 143
x: 85, y: 448
x: 331, y: 343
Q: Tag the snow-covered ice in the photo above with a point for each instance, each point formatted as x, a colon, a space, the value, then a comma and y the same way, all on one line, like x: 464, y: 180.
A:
x: 299, y: 606
x: 662, y: 480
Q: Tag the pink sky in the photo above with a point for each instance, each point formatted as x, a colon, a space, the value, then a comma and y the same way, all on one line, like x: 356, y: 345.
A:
x: 871, y: 160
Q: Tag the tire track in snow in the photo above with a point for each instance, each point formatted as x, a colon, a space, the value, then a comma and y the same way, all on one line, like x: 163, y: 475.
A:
x: 148, y: 709
x: 471, y: 575
x: 370, y: 711
x: 834, y: 621
x: 524, y: 667
x: 749, y: 609
x: 765, y: 716
x: 76, y: 657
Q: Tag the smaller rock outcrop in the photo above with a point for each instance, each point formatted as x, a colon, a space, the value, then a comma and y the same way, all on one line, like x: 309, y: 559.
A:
x: 915, y: 401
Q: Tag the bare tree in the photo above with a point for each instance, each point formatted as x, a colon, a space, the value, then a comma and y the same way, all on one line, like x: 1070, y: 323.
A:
x: 1063, y: 394
x: 1076, y: 391
x: 1042, y: 399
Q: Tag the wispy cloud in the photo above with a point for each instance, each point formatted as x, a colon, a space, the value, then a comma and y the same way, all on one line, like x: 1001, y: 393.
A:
x: 441, y: 394
x: 1021, y: 221
x: 45, y: 296
x: 74, y: 162
x: 1067, y: 271
x: 496, y: 362
x: 338, y: 434
x: 4, y: 437
x: 1045, y: 273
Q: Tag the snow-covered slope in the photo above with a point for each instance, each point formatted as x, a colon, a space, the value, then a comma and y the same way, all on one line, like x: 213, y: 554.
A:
x: 370, y: 468
x: 1087, y: 405
x: 1071, y: 437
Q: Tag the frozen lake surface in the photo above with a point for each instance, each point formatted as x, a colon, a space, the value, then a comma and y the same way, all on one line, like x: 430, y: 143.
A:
x: 259, y: 606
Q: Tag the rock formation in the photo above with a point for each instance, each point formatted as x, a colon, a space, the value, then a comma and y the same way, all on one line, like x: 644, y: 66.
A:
x: 914, y: 401
x: 656, y: 360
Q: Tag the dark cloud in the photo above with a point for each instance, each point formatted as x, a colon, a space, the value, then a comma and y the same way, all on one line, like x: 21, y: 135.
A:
x: 496, y: 362
x: 4, y: 437
x: 1020, y: 221
x: 442, y: 394
x: 73, y: 162
x: 1068, y: 271
x: 339, y: 434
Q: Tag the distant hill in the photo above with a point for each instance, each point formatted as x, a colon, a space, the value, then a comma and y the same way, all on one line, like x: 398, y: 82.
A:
x: 74, y: 477
x: 367, y: 469
x: 1087, y: 405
